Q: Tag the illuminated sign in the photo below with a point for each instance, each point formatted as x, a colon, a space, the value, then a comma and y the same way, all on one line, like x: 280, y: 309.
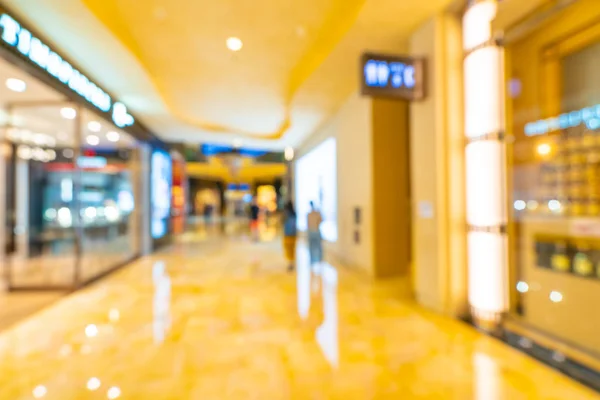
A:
x: 590, y: 116
x: 392, y: 76
x: 39, y: 53
x: 91, y: 162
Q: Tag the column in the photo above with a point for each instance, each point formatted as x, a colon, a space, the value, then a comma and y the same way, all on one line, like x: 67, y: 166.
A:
x: 485, y: 166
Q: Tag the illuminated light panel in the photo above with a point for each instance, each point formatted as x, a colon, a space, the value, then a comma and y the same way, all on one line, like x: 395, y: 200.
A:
x: 476, y: 24
x: 485, y: 195
x: 487, y: 277
x: 483, y: 100
x: 16, y: 85
x: 485, y: 166
x: 234, y: 44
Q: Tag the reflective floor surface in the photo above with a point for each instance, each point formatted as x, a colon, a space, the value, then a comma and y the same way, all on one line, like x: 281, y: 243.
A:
x: 222, y: 319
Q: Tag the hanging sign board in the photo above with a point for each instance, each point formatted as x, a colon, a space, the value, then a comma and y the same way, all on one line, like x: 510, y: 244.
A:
x: 392, y: 76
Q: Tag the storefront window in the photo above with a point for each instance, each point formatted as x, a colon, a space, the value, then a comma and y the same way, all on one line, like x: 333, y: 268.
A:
x: 554, y: 98
x: 72, y: 196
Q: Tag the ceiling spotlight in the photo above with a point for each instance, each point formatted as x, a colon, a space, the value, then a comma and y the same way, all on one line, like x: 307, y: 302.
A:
x: 94, y: 384
x: 94, y: 126
x: 93, y: 140
x: 113, y: 136
x: 68, y: 112
x: 91, y: 331
x: 113, y: 393
x: 16, y: 85
x: 234, y: 44
x: 40, y: 391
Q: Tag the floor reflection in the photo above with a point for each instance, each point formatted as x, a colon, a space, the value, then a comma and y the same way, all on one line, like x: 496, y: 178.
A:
x: 162, y: 301
x: 487, y: 381
x: 309, y: 280
x: 327, y: 333
x: 220, y: 329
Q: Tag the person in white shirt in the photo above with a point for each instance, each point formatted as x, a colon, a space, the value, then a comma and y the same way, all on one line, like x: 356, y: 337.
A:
x: 315, y: 246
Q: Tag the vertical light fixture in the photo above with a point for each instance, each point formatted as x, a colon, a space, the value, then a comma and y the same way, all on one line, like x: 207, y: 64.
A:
x: 485, y: 166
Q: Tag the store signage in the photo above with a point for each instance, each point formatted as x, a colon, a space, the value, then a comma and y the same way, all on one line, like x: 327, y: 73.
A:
x: 392, y: 76
x: 590, y: 116
x: 91, y: 162
x: 39, y: 53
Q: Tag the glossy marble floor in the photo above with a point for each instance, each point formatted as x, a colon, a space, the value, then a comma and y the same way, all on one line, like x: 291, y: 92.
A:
x: 221, y: 319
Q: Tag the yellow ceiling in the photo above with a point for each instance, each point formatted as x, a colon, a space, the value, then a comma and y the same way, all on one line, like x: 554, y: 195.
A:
x: 299, y: 60
x: 204, y: 84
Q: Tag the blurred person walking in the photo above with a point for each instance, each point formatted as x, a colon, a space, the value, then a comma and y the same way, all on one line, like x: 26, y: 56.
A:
x: 289, y: 234
x: 315, y: 245
x: 254, y: 214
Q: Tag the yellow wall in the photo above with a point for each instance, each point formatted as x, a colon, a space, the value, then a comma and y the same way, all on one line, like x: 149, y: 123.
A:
x: 437, y: 170
x: 215, y: 169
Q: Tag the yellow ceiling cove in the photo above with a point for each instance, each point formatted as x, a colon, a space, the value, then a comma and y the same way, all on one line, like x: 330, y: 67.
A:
x: 182, y: 46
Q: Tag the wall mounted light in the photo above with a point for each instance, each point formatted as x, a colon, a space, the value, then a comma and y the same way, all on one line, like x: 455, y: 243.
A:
x: 485, y: 166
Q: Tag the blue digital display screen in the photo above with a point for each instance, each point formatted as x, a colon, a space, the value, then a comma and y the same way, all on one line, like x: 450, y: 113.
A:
x: 242, y: 187
x: 161, y: 182
x: 379, y: 73
x: 216, y: 149
x: 392, y: 76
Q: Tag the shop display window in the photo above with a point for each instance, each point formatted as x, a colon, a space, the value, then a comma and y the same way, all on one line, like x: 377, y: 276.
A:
x: 554, y: 178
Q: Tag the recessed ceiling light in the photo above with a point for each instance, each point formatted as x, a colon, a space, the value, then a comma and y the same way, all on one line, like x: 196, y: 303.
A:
x: 113, y: 136
x: 94, y: 384
x: 93, y: 140
x: 234, y: 44
x: 113, y: 393
x: 40, y: 391
x: 68, y: 112
x: 94, y: 126
x: 16, y: 85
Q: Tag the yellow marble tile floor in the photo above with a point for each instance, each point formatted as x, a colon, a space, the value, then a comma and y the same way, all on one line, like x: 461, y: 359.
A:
x: 222, y: 319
